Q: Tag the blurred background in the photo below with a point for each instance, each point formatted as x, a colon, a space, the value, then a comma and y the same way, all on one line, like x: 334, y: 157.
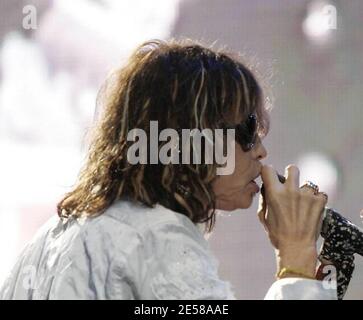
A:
x: 54, y: 55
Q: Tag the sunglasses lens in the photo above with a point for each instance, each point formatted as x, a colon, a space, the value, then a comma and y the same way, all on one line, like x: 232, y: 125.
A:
x: 251, y: 125
x: 246, y: 133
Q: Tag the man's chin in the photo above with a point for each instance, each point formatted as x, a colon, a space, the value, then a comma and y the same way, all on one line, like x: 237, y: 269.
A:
x: 244, y: 202
x: 247, y: 201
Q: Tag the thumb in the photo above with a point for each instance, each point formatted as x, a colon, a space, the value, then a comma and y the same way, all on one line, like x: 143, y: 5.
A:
x: 261, y: 211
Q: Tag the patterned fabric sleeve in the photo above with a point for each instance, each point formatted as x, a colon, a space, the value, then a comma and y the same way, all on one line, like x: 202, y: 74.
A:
x: 342, y: 239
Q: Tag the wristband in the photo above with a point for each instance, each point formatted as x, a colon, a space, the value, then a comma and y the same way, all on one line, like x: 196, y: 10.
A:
x: 288, y: 270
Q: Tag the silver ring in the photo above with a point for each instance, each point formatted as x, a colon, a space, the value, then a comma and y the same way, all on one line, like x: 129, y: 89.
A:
x: 311, y: 185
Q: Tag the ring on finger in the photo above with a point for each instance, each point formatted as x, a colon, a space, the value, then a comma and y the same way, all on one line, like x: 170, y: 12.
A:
x: 311, y: 185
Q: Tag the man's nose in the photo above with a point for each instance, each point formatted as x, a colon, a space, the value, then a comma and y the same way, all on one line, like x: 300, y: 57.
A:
x: 260, y: 150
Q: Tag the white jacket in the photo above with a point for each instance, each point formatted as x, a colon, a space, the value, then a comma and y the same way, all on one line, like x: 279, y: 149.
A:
x: 130, y: 252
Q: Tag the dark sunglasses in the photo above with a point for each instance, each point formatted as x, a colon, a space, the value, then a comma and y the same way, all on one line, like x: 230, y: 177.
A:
x: 246, y: 133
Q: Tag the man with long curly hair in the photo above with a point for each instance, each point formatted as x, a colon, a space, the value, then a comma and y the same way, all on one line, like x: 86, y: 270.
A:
x: 136, y: 230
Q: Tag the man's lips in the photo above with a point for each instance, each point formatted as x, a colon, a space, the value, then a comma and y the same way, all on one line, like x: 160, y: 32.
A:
x: 253, y: 182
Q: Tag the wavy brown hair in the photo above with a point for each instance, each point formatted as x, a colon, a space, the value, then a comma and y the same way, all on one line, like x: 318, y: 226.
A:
x: 180, y: 84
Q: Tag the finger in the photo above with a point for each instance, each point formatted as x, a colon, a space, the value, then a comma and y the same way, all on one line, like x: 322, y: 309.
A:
x: 319, y: 204
x: 292, y: 175
x: 261, y: 212
x: 323, y: 198
x: 326, y: 197
x: 306, y: 189
x: 269, y: 177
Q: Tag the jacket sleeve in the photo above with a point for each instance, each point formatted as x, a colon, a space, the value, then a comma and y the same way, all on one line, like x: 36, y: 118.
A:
x: 182, y: 266
x: 301, y: 289
x: 174, y: 261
